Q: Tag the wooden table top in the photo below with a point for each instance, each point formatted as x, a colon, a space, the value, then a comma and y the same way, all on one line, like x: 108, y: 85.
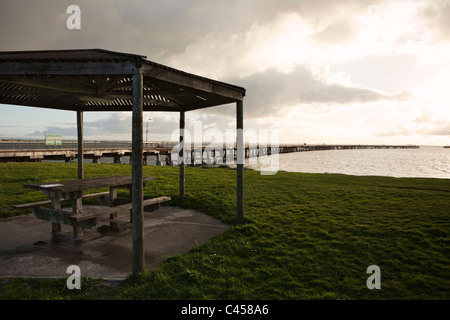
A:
x: 86, y: 184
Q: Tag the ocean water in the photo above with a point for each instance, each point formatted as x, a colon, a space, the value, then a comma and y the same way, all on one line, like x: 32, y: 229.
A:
x: 425, y: 162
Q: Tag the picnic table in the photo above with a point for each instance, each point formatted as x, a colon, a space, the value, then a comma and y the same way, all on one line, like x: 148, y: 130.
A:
x: 73, y: 190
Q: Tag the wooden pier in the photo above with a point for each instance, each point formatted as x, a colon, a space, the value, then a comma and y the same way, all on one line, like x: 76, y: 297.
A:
x: 193, y: 155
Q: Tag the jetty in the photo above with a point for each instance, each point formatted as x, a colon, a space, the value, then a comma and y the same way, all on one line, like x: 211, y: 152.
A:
x: 36, y: 151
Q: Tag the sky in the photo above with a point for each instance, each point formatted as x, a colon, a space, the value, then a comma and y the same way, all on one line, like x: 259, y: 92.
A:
x: 322, y: 71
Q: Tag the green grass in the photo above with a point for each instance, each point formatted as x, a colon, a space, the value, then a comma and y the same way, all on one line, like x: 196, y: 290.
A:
x: 306, y: 236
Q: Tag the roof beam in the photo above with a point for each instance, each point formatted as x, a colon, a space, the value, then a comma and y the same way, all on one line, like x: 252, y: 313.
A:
x: 114, y: 108
x: 47, y: 83
x: 17, y: 92
x: 31, y: 67
x: 111, y: 98
x: 84, y: 82
x: 40, y: 104
x: 146, y: 99
x: 110, y: 83
x: 195, y: 82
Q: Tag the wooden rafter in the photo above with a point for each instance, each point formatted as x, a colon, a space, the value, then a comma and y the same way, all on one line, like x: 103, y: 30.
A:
x: 110, y: 84
x: 84, y: 82
x: 27, y: 91
x: 37, y: 103
x: 47, y: 83
x: 100, y: 82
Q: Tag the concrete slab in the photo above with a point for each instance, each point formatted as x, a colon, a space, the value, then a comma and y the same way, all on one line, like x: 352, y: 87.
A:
x: 29, y: 249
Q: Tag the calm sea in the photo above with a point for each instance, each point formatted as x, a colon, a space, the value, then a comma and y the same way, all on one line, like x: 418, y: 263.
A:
x: 428, y: 162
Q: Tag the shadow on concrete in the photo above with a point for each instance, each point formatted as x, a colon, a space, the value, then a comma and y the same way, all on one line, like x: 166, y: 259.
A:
x: 29, y: 249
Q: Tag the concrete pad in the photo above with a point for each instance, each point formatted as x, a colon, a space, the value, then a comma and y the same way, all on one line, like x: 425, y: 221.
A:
x: 29, y: 249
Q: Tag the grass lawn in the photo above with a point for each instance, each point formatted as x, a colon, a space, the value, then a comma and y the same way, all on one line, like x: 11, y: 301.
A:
x: 305, y: 236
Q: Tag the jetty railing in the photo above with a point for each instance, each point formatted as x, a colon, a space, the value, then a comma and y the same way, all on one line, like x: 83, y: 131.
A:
x: 36, y: 150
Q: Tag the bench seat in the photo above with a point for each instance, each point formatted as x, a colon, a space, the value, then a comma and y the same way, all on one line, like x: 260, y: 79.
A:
x: 89, y: 218
x: 111, y: 210
x: 32, y: 205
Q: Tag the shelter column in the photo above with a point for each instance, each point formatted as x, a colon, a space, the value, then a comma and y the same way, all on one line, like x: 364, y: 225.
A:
x: 138, y: 256
x: 182, y: 153
x: 80, y: 144
x: 240, y: 161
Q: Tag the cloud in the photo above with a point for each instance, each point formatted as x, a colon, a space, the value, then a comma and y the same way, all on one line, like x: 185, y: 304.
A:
x: 426, y: 123
x: 443, y: 130
x: 171, y: 27
x: 429, y: 130
x: 117, y: 123
x: 304, y: 35
x: 68, y: 132
x: 264, y: 45
x: 285, y: 53
x: 270, y: 93
x: 224, y: 38
x: 116, y: 126
x: 336, y: 33
x: 435, y: 14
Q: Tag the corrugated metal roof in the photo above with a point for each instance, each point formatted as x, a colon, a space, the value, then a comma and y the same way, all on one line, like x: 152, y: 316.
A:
x: 72, y: 55
x: 94, y: 55
x: 66, y: 87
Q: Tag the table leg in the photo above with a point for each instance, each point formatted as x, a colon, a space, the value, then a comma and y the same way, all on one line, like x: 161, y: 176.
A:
x: 112, y: 195
x: 77, y: 231
x: 77, y: 208
x: 112, y: 198
x: 56, y: 204
x: 77, y: 202
x: 131, y: 200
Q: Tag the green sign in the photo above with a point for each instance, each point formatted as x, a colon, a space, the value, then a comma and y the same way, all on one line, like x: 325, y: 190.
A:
x: 53, y: 140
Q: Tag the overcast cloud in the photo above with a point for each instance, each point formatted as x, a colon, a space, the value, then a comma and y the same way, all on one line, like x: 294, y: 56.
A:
x: 323, y: 70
